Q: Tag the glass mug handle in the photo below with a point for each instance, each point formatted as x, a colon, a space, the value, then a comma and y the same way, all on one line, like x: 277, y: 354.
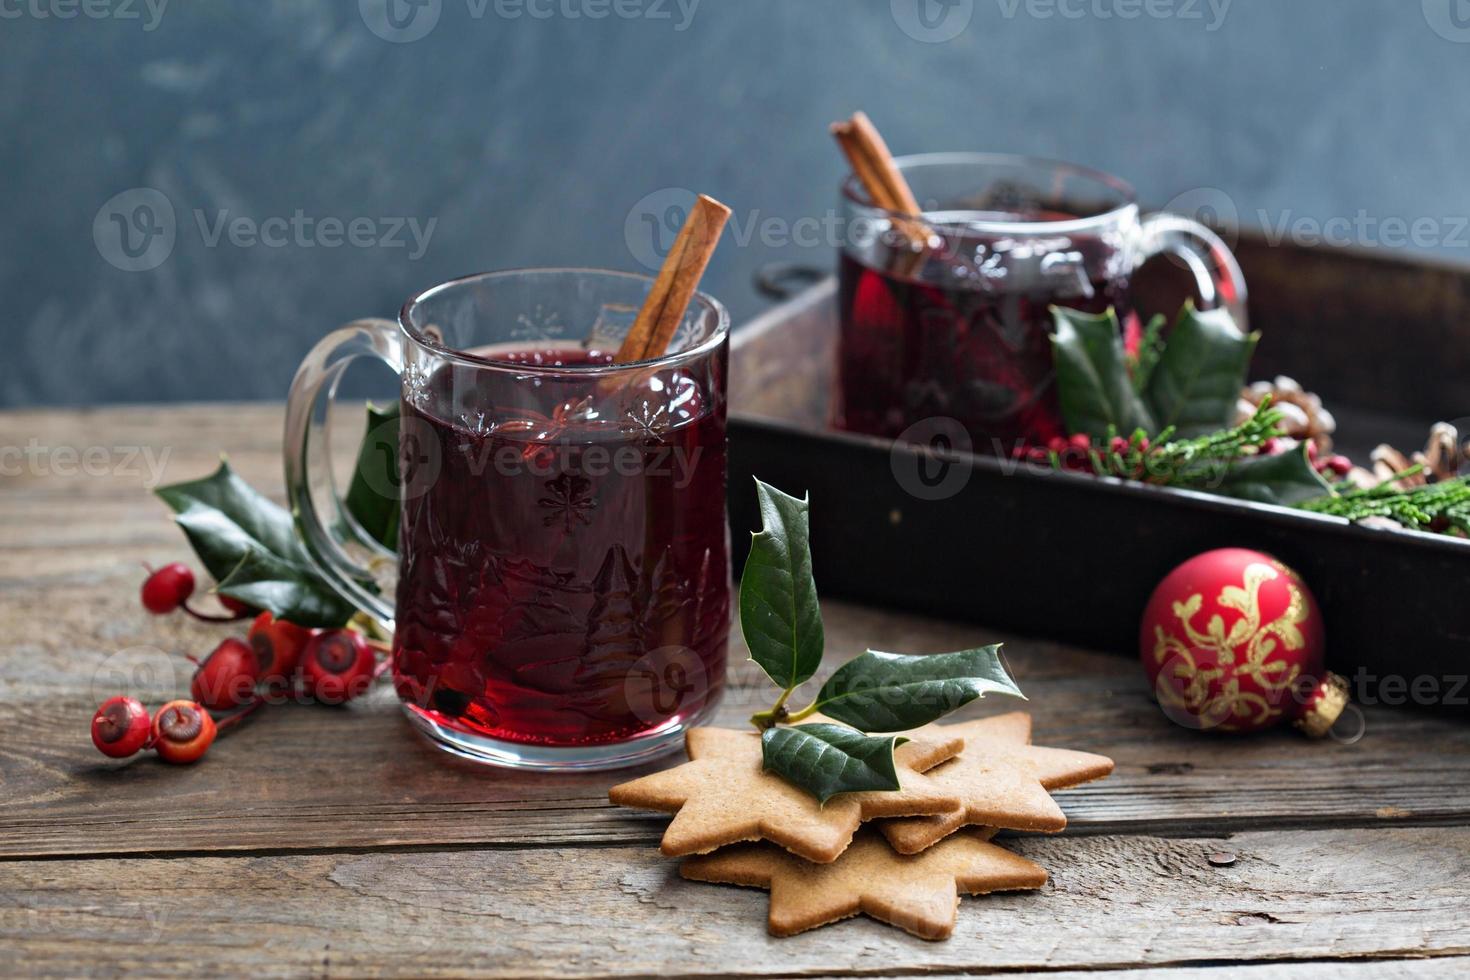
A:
x: 330, y: 534
x: 1216, y: 273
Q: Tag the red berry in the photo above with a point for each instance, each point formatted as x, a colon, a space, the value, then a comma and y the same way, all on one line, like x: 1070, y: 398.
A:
x: 226, y: 679
x: 240, y: 609
x: 278, y: 645
x: 1118, y: 445
x: 337, y: 666
x: 1057, y: 444
x: 166, y: 589
x: 120, y: 727
x: 182, y: 731
x: 1080, y: 440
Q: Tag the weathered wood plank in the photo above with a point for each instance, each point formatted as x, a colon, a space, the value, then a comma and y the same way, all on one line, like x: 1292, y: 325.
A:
x: 1414, y: 969
x: 300, y: 777
x: 315, y: 777
x: 71, y: 633
x: 1113, y: 902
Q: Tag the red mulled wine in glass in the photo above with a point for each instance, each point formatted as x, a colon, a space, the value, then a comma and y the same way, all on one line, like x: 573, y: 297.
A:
x: 563, y: 587
x: 949, y: 317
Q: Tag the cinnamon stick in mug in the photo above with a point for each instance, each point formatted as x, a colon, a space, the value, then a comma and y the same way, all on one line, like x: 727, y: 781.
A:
x: 678, y: 278
x: 874, y: 168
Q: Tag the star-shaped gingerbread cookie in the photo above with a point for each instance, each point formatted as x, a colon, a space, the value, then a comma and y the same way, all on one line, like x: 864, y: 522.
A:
x: 917, y: 893
x: 724, y: 796
x: 1002, y: 780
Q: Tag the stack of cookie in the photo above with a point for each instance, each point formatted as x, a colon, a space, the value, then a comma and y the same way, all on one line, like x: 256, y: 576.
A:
x: 960, y: 783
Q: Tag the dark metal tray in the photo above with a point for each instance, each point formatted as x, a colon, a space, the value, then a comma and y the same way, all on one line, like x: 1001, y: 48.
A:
x: 1072, y: 557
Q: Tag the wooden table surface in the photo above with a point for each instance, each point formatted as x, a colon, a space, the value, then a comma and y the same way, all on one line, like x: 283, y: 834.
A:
x: 316, y: 841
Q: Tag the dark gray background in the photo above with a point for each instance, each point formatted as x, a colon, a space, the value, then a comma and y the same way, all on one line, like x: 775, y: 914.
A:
x: 530, y: 140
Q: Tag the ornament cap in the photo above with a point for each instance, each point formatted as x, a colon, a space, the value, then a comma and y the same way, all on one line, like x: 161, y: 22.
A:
x: 1324, y: 706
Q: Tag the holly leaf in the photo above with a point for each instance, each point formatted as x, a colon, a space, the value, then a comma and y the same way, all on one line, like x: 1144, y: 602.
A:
x: 372, y: 497
x: 224, y: 517
x: 1150, y: 347
x: 1093, y: 387
x: 1284, y: 479
x: 1197, y: 380
x: 826, y: 760
x: 890, y: 692
x: 227, y: 521
x: 779, y: 614
x: 264, y: 581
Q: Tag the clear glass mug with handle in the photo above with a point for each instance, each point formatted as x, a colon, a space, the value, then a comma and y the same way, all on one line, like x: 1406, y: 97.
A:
x: 562, y: 595
x: 961, y: 328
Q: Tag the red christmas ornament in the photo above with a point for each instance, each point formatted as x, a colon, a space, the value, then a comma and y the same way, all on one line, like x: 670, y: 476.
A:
x: 1232, y: 641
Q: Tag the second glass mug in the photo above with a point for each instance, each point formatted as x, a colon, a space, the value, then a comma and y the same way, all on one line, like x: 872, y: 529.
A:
x: 563, y: 572
x: 962, y: 329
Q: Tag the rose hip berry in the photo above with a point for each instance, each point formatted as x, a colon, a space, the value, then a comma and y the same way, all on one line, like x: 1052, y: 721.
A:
x: 278, y: 646
x: 168, y: 588
x: 338, y: 665
x: 182, y: 731
x: 227, y: 677
x: 120, y: 727
x: 240, y: 609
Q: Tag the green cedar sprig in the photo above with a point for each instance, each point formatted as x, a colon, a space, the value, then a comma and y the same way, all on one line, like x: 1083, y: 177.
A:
x: 1171, y: 462
x: 1433, y: 506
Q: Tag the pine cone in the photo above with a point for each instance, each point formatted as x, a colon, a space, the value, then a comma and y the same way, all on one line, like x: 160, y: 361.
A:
x: 1443, y: 456
x: 1303, y: 416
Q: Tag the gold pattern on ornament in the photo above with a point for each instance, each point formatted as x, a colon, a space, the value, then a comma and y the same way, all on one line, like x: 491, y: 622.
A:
x: 1258, y: 642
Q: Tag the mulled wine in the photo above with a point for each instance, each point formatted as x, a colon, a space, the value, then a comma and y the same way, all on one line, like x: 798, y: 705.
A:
x: 963, y: 331
x: 564, y: 553
x: 945, y: 302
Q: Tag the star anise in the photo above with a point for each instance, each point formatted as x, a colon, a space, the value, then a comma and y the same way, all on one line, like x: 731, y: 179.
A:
x: 569, y: 501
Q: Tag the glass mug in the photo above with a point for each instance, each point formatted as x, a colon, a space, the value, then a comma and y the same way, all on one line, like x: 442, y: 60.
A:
x: 563, y: 563
x: 961, y: 329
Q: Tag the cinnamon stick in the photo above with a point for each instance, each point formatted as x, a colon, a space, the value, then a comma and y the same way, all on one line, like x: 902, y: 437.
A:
x: 874, y: 168
x: 678, y: 278
x: 874, y: 165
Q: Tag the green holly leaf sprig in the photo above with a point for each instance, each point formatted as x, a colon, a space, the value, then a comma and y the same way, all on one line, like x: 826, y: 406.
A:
x: 826, y: 759
x: 1164, y: 415
x: 1187, y: 382
x: 872, y: 693
x: 249, y: 544
x: 372, y: 497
